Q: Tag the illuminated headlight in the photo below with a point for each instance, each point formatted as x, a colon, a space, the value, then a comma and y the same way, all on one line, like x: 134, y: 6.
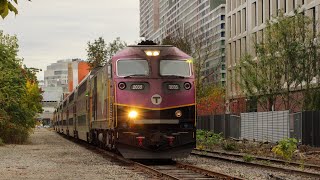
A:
x: 178, y: 113
x: 173, y: 87
x: 137, y: 86
x: 156, y: 53
x: 133, y: 114
x: 152, y: 53
x: 148, y: 53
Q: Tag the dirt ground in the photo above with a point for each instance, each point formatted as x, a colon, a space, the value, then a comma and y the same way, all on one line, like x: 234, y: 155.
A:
x: 48, y: 155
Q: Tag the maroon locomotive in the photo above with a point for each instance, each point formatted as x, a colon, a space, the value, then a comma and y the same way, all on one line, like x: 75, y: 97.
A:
x: 142, y: 104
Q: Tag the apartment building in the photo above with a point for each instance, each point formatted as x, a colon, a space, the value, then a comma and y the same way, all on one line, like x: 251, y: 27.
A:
x: 246, y: 21
x: 204, y: 18
x: 56, y: 75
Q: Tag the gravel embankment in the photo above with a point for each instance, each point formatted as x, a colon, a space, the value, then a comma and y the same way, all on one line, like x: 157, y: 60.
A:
x: 243, y: 171
x: 50, y: 156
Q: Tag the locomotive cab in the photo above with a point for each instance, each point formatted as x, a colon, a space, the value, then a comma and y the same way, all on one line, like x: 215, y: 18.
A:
x: 155, y: 102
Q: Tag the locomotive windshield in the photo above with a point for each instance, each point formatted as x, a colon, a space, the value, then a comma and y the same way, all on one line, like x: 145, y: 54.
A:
x: 132, y: 68
x: 175, y: 68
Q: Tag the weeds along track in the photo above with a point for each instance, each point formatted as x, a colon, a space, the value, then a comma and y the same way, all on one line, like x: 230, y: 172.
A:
x: 262, y: 162
x: 156, y: 169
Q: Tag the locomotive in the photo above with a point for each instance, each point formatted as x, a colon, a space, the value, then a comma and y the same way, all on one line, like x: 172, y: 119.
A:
x: 141, y: 104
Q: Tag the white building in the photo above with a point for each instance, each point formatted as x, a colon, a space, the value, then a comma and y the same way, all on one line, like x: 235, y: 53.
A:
x: 56, y: 75
x: 160, y: 18
x: 55, y: 86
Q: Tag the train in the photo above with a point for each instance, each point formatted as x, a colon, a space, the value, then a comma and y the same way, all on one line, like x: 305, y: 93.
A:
x: 141, y: 103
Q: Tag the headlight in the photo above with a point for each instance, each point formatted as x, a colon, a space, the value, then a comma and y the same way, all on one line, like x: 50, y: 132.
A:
x: 178, y: 113
x: 122, y: 85
x: 152, y: 53
x: 187, y: 85
x: 133, y: 114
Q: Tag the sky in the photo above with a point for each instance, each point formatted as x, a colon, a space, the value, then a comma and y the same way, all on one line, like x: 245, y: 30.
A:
x: 53, y: 30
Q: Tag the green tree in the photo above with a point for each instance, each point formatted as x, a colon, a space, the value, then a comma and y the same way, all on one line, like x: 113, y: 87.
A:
x: 99, y: 52
x: 20, y: 97
x: 287, y: 59
x: 8, y: 5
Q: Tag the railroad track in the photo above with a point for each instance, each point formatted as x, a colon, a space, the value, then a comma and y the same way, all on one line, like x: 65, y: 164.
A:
x: 179, y: 170
x: 172, y: 170
x: 237, y: 158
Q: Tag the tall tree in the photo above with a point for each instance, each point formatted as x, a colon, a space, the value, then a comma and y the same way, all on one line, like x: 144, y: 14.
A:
x: 287, y: 60
x: 99, y: 52
x: 20, y: 97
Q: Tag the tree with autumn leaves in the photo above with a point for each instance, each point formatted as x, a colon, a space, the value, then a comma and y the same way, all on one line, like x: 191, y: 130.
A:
x: 20, y: 96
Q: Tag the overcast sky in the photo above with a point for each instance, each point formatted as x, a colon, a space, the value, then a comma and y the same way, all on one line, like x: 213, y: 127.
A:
x: 52, y: 30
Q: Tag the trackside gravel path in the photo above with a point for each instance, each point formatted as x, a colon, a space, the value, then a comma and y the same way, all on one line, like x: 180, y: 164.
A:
x: 50, y: 156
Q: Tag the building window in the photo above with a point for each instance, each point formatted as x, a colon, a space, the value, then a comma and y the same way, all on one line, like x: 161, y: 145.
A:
x: 223, y: 67
x: 285, y: 6
x: 223, y: 59
x: 223, y: 17
x: 277, y: 7
x: 254, y: 13
x: 223, y: 75
x: 222, y: 34
x: 222, y: 26
x: 244, y: 16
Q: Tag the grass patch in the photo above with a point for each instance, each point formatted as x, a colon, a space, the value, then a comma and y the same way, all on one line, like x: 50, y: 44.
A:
x: 248, y: 158
x: 208, y: 139
x: 229, y: 145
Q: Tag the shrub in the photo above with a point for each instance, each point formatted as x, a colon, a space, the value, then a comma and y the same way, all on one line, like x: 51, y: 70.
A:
x: 1, y: 142
x: 213, y: 138
x: 248, y: 158
x: 229, y: 145
x: 285, y: 148
x: 207, y: 139
x: 15, y: 134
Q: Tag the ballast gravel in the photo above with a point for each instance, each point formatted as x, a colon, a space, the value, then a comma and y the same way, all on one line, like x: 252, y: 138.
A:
x: 50, y: 156
x: 239, y: 170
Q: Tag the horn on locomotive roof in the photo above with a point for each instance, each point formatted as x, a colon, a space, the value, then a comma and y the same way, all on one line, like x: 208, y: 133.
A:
x: 147, y: 42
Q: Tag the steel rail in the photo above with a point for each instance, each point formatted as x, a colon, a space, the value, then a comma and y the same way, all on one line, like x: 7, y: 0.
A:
x: 157, y: 173
x: 206, y: 172
x: 313, y: 166
x: 304, y: 173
